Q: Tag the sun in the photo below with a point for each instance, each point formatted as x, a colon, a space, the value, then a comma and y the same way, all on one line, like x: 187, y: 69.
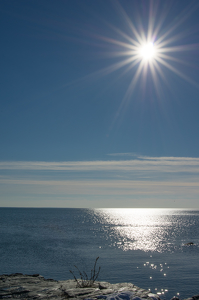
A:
x: 147, y: 51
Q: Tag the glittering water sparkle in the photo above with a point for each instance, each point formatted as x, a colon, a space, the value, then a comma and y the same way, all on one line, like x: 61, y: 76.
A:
x: 143, y: 246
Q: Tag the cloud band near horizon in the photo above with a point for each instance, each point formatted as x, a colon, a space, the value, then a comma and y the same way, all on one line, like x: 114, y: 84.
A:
x: 139, y: 182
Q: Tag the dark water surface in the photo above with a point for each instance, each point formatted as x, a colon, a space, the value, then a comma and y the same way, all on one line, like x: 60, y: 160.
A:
x: 142, y: 246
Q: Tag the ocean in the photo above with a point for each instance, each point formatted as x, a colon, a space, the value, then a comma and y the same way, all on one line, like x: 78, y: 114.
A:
x: 146, y: 247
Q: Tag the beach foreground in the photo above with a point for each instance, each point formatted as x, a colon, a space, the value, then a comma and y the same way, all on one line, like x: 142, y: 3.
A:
x: 20, y: 286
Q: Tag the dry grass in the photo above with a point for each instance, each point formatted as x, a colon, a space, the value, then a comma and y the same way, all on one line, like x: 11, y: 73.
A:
x: 84, y: 280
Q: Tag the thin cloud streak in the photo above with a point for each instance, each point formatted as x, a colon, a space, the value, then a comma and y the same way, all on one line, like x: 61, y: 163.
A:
x: 106, y: 187
x: 140, y: 182
x: 141, y: 163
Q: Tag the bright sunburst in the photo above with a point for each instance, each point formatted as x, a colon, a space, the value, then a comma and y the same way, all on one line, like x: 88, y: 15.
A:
x: 144, y: 52
x: 147, y: 51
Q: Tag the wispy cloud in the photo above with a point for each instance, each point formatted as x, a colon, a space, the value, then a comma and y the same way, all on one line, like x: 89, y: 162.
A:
x: 166, y: 178
x: 126, y: 190
x: 140, y: 163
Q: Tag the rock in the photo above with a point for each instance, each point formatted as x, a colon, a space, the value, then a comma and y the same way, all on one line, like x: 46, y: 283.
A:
x: 37, y: 287
x: 19, y: 286
x: 189, y: 244
x: 175, y: 298
x: 195, y: 297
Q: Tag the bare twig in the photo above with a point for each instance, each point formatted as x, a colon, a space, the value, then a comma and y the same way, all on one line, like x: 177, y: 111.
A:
x: 84, y: 281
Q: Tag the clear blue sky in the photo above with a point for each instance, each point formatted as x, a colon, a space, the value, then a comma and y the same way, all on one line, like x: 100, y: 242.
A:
x: 79, y: 127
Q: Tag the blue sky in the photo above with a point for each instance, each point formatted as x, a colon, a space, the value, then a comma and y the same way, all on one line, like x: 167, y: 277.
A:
x: 86, y: 120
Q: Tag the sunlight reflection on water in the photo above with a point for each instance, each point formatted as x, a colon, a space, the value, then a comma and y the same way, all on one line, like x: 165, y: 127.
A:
x: 146, y: 247
x: 141, y: 229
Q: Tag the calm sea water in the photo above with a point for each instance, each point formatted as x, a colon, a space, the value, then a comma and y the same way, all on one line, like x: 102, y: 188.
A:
x: 142, y: 246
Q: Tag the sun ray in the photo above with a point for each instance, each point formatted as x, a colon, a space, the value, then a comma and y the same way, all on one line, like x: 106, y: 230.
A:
x: 155, y: 78
x: 135, y: 79
x: 151, y: 21
x: 161, y: 20
x: 117, y: 42
x: 174, y: 70
x: 131, y: 66
x: 181, y: 18
x: 173, y: 39
x: 181, y: 48
x: 129, y: 92
x: 175, y: 59
x: 124, y: 35
x: 162, y: 75
x: 130, y: 61
x: 128, y: 21
x: 122, y: 53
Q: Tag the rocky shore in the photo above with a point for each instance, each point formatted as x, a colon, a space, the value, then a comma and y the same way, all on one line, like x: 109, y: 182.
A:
x: 19, y: 286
